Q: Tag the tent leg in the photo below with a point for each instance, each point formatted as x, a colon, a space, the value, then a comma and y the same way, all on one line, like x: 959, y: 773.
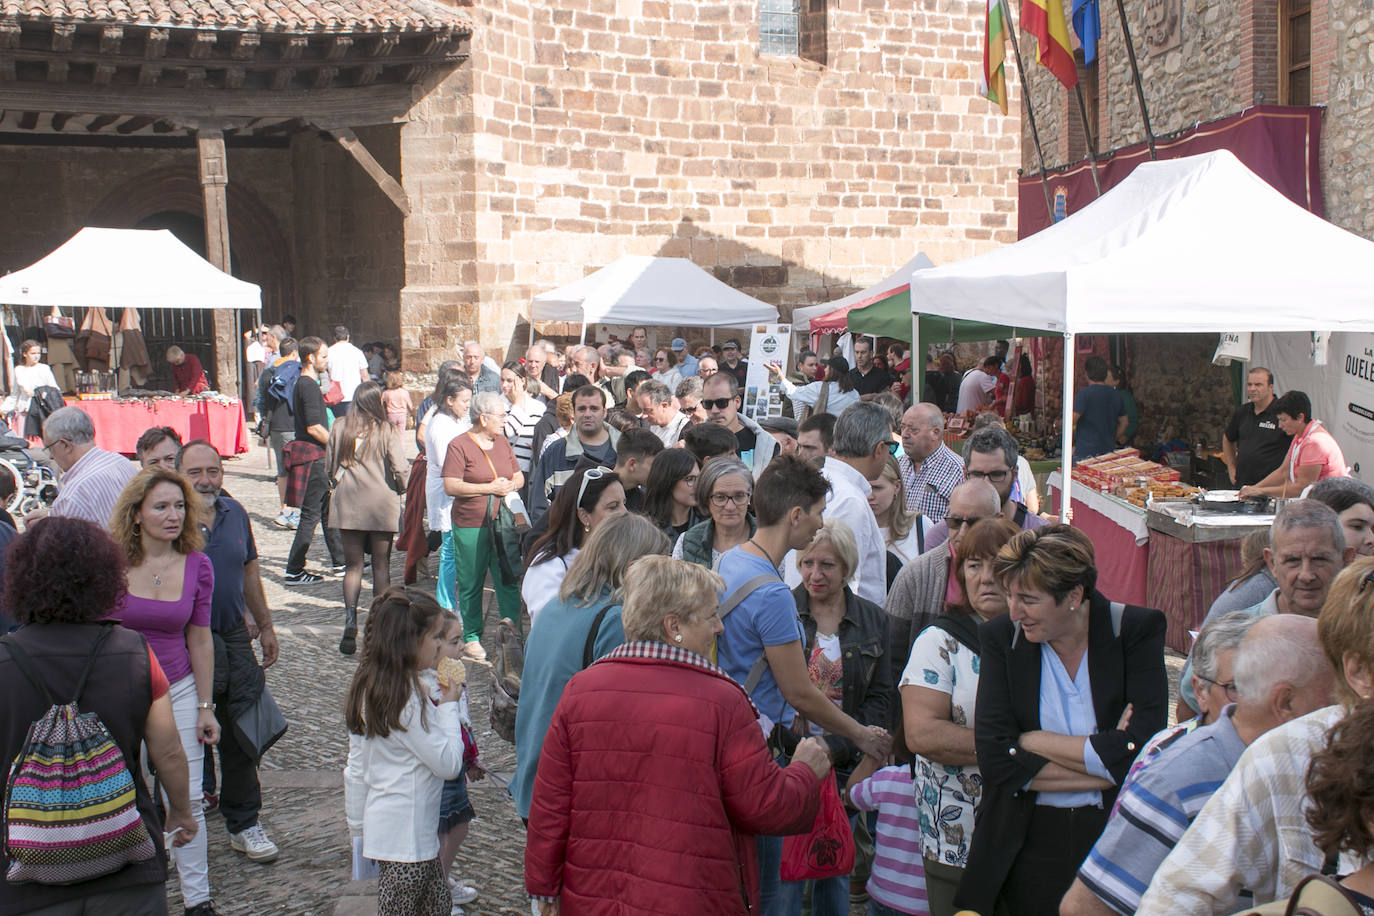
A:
x: 1066, y: 435
x: 582, y: 338
x: 531, y: 331
x: 917, y: 360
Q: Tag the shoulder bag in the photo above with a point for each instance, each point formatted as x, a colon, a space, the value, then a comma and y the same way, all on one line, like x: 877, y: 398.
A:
x: 504, y: 531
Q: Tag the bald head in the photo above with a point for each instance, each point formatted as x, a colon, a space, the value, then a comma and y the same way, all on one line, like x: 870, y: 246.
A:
x: 1281, y: 672
x: 970, y: 503
x: 922, y: 426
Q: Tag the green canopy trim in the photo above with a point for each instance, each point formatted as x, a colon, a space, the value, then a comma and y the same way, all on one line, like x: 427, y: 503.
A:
x: 891, y: 317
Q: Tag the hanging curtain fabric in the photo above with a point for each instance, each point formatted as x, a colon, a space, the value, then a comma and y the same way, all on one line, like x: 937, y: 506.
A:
x: 93, y: 342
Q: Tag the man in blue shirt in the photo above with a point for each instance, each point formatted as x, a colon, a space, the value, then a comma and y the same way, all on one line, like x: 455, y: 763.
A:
x: 1099, y: 414
x: 761, y: 646
x: 687, y: 363
x: 238, y: 593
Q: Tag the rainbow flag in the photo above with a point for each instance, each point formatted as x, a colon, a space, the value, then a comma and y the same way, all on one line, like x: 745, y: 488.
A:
x: 1045, y: 20
x: 994, y: 83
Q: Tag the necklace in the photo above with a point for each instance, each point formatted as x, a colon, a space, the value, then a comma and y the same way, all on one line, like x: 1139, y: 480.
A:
x: 766, y: 554
x: 157, y: 576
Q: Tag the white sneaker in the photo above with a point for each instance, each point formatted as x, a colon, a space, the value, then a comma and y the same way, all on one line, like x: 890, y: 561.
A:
x: 253, y: 843
x: 462, y: 893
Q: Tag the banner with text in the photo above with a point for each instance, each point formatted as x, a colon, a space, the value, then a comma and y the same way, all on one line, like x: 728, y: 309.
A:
x: 769, y: 343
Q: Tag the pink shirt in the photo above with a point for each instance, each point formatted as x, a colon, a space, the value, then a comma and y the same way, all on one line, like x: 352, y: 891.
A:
x: 1316, y: 446
x: 899, y: 878
x: 164, y: 623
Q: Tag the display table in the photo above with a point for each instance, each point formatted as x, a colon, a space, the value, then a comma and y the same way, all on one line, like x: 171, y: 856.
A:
x: 1121, y: 539
x: 118, y: 424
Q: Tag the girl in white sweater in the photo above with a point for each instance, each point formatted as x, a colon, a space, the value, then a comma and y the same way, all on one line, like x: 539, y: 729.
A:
x: 401, y: 748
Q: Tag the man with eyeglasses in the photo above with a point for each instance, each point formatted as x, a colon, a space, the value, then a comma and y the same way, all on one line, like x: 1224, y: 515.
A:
x: 1306, y: 550
x: 990, y: 454
x: 589, y: 438
x: 1280, y: 675
x: 721, y: 398
x: 930, y: 470
x: 92, y: 478
x: 689, y: 400
x: 922, y: 588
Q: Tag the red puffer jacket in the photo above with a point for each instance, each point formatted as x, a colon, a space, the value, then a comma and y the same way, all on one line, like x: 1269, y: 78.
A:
x: 653, y: 781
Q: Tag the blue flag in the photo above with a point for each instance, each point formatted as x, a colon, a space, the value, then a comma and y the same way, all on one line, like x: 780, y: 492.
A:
x: 1087, y: 24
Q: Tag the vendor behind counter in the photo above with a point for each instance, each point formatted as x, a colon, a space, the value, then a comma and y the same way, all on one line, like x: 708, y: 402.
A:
x: 188, y: 375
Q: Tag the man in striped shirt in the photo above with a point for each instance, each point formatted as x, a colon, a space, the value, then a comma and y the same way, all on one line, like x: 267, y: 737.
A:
x: 1280, y: 675
x: 92, y: 478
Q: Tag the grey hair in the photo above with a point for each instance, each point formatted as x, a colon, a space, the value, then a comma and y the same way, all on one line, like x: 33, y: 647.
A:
x: 994, y: 506
x: 580, y: 353
x: 70, y: 423
x: 991, y: 439
x: 473, y: 343
x: 691, y: 386
x: 860, y: 429
x: 537, y: 346
x: 485, y: 403
x: 711, y: 474
x: 1308, y: 513
x: 654, y: 389
x: 1222, y: 634
x: 1279, y: 649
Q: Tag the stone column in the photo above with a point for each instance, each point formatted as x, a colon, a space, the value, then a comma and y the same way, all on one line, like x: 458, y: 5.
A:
x: 214, y: 181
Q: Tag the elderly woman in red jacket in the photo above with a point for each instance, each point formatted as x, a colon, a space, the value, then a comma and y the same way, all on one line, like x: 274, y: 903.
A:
x: 654, y: 777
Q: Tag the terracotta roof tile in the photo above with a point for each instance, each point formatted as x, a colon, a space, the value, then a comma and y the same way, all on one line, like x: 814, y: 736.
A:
x: 249, y: 15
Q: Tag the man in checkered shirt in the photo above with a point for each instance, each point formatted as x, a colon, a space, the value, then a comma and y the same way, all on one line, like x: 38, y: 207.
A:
x: 1253, y: 835
x: 930, y: 471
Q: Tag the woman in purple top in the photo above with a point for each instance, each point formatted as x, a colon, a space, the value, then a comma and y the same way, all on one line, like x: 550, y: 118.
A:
x: 168, y: 601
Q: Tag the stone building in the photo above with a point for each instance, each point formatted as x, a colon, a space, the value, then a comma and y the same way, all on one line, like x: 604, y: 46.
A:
x: 419, y: 171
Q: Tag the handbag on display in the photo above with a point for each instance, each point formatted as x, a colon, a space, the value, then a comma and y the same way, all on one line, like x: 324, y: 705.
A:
x: 58, y: 325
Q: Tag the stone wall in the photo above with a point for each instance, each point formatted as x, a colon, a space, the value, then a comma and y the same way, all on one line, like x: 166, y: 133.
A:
x: 609, y: 127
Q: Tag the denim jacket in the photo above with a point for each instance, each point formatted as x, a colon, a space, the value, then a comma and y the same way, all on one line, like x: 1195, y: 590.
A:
x: 867, y: 677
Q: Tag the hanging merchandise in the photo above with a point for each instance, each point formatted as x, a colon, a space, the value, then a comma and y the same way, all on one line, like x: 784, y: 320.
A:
x: 58, y: 325
x: 133, y: 354
x: 93, y: 341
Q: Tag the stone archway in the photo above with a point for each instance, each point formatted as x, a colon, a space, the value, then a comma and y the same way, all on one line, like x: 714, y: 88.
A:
x: 255, y: 236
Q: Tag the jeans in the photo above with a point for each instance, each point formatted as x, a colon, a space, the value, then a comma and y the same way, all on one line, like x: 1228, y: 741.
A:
x: 192, y: 860
x: 312, y: 513
x: 770, y: 865
x: 881, y: 909
x: 829, y: 896
x: 240, y: 797
x: 446, y: 582
x: 474, y: 558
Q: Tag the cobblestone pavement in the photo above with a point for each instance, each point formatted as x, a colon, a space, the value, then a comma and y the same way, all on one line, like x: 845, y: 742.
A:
x: 302, y: 775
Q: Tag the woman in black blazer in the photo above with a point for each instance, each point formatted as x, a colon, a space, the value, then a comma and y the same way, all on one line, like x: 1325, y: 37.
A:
x: 1071, y: 686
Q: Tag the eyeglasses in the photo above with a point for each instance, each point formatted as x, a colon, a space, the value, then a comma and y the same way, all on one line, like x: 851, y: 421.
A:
x: 719, y: 500
x: 716, y: 403
x: 1231, y: 693
x: 660, y: 359
x: 955, y: 522
x: 689, y: 410
x: 994, y: 476
x: 590, y: 475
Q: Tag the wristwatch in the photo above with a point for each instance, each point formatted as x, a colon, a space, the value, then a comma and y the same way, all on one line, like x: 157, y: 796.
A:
x: 205, y: 706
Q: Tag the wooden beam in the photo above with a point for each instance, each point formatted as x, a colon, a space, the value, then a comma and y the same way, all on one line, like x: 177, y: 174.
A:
x: 338, y: 47
x: 60, y: 119
x: 390, y: 186
x: 202, y: 44
x: 9, y: 33
x: 111, y: 39
x: 384, y: 44
x: 155, y: 45
x: 246, y: 46
x: 148, y: 75
x: 62, y: 35
x: 195, y: 78
x: 102, y: 121
x: 281, y: 79
x: 214, y: 181
x: 339, y: 107
x: 103, y: 74
x: 294, y: 47
x: 57, y: 71
x: 135, y: 124
x: 234, y: 77
x: 368, y: 74
x: 324, y: 77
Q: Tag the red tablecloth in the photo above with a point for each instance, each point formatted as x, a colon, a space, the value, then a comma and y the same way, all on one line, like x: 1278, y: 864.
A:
x: 1186, y: 578
x: 118, y: 424
x: 1122, y: 564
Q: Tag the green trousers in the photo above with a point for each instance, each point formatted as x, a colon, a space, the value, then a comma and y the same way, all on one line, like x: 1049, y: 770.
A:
x: 474, y: 558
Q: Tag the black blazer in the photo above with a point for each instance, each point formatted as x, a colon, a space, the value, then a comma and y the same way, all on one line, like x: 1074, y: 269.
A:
x: 1122, y: 669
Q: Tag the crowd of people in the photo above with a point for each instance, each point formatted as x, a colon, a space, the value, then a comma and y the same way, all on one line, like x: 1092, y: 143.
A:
x: 730, y: 618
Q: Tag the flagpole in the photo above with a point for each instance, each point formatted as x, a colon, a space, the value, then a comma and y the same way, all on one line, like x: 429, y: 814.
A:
x: 1012, y: 28
x: 1135, y: 74
x: 1088, y: 136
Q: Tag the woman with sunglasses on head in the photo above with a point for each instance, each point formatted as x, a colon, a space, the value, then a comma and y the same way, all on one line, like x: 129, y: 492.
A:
x: 480, y: 468
x: 670, y: 495
x: 724, y: 491
x: 589, y: 497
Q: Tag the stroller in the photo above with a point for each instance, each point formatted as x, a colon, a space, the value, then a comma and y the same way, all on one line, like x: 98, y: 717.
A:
x: 33, y: 472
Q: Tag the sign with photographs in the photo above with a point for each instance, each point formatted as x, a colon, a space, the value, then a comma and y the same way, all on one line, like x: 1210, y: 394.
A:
x: 769, y: 343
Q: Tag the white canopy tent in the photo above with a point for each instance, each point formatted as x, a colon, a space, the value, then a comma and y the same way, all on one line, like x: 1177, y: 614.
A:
x: 1183, y: 245
x: 639, y: 289
x: 126, y: 268
x: 890, y: 285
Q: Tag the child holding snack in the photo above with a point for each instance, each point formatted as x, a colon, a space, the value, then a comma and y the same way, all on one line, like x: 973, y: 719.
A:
x: 401, y: 748
x: 455, y: 811
x: 396, y: 401
x: 897, y: 884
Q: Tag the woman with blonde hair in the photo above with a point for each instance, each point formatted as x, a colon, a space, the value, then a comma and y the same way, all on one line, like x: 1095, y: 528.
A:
x: 579, y: 626
x: 904, y: 531
x: 690, y: 781
x: 156, y: 522
x: 368, y: 468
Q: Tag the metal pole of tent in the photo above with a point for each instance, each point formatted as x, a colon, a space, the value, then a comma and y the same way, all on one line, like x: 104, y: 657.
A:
x: 531, y: 327
x: 918, y: 375
x: 582, y: 338
x: 1066, y: 435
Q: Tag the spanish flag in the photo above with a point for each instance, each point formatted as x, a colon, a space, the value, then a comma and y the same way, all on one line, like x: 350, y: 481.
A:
x: 1045, y: 20
x: 994, y: 82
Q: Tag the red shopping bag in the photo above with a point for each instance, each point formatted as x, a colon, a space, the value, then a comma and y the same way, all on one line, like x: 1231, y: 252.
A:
x: 828, y: 850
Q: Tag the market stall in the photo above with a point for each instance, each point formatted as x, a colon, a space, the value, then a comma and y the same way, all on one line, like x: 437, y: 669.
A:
x: 131, y: 269
x: 1172, y: 248
x: 638, y: 289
